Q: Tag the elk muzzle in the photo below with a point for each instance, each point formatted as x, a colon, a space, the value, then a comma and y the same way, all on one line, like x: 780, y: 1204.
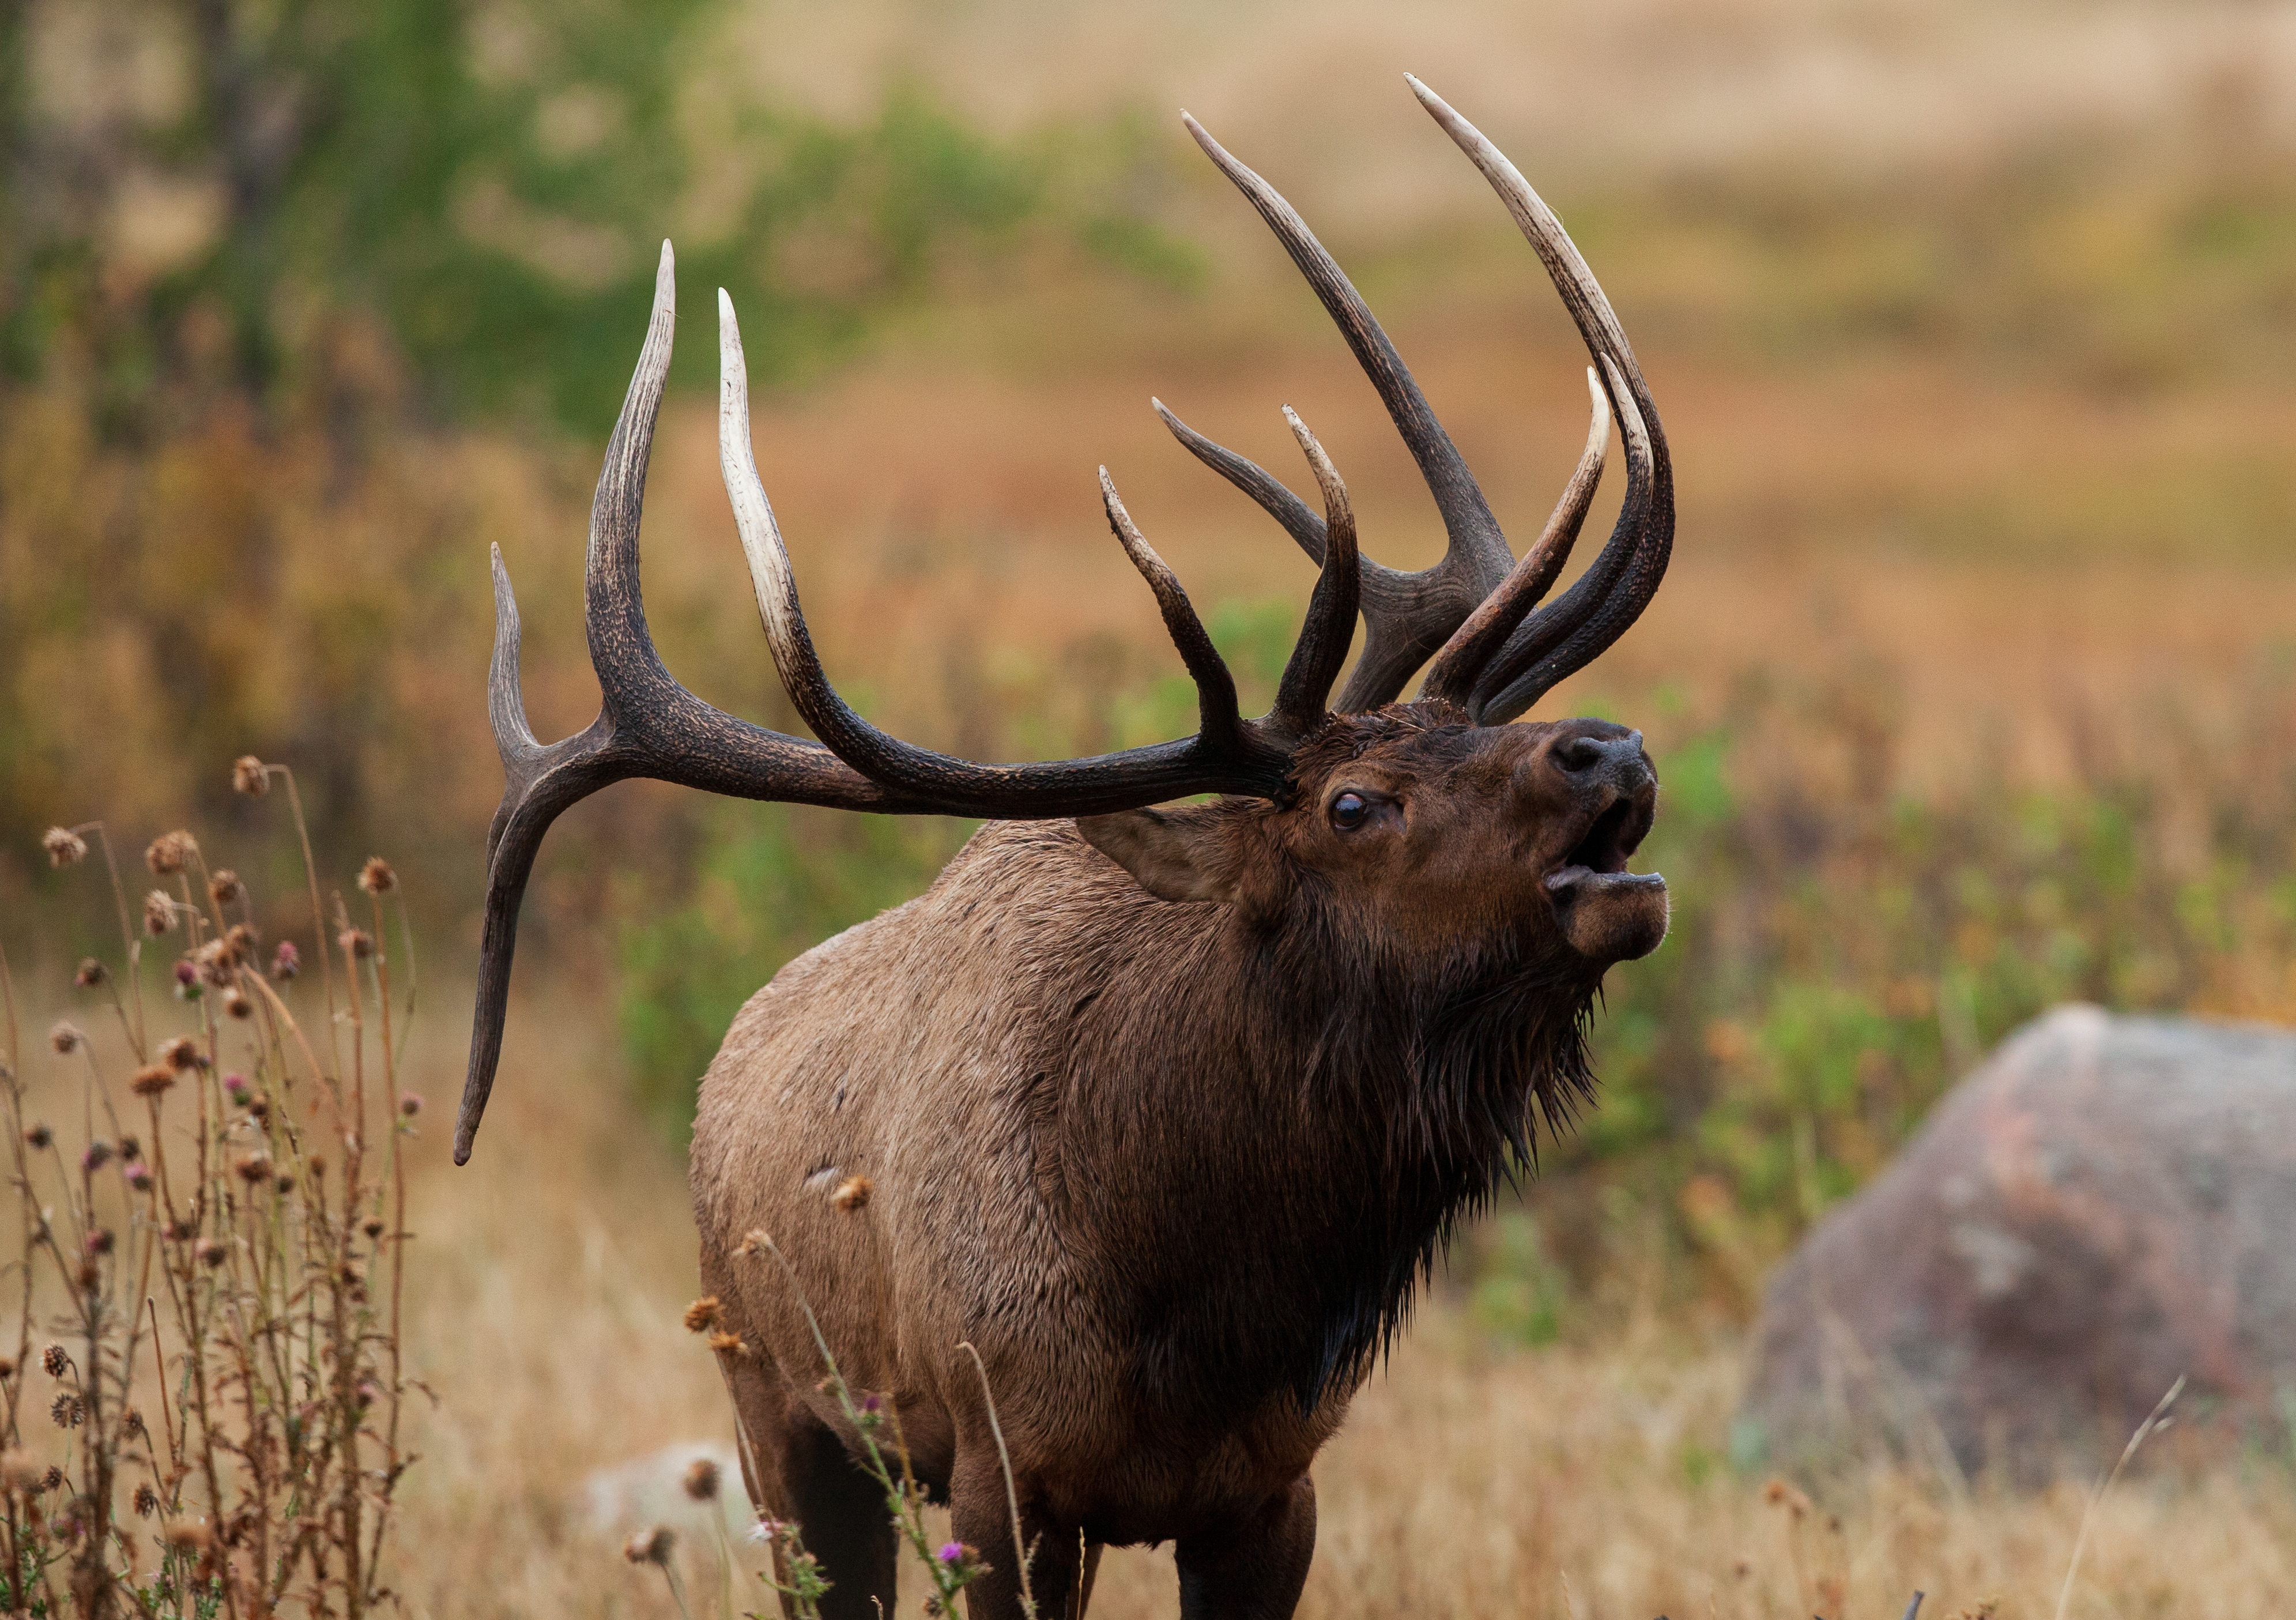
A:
x: 1607, y: 913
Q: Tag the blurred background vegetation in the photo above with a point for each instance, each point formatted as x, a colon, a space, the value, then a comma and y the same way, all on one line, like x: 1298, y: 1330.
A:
x: 1974, y: 688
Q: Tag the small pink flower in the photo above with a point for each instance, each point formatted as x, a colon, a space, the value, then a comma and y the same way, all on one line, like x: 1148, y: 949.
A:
x: 235, y: 1087
x: 139, y: 1176
x: 952, y: 1553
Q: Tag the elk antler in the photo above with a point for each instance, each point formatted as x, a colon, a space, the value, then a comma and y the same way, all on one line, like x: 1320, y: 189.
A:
x: 648, y: 725
x: 1499, y: 655
x: 1568, y: 634
x: 1504, y: 662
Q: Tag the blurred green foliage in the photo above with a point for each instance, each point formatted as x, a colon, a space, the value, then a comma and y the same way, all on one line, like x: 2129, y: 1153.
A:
x: 490, y: 184
x: 270, y: 268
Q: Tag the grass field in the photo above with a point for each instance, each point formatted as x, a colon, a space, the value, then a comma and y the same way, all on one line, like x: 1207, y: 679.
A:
x: 1583, y: 1481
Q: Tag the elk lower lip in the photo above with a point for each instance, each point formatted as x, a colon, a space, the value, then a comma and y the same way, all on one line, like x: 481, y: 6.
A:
x: 1573, y: 879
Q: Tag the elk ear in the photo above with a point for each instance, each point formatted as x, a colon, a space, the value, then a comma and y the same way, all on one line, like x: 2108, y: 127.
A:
x: 1173, y: 854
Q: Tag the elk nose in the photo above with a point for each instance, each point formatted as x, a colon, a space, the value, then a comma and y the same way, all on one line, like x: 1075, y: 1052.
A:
x: 1619, y: 761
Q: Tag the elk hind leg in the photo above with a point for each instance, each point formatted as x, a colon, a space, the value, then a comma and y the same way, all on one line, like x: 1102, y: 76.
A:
x: 797, y: 1469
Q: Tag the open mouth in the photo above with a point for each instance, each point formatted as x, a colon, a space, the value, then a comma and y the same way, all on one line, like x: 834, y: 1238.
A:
x: 1606, y: 846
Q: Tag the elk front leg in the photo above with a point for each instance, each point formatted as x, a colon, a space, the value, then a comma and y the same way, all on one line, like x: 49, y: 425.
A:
x: 980, y: 1514
x: 1253, y: 1568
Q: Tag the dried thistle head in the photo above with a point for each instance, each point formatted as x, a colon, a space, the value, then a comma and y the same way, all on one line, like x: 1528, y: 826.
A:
x: 158, y: 913
x: 853, y: 1194
x: 254, y: 1168
x: 145, y: 1501
x: 702, y: 1480
x: 139, y: 1176
x: 55, y: 1361
x: 187, y: 1535
x: 179, y: 1052
x: 65, y: 1037
x: 65, y: 847
x: 96, y: 1155
x: 728, y: 1344
x: 754, y: 1242
x: 67, y: 1411
x: 211, y: 1253
x: 236, y: 1003
x: 92, y: 974
x: 653, y: 1546
x: 357, y: 941
x: 245, y: 939
x: 376, y: 877
x: 701, y: 1315
x: 225, y: 887
x: 100, y: 1240
x: 250, y: 776
x: 410, y: 1103
x: 38, y: 1136
x: 214, y: 961
x: 170, y: 852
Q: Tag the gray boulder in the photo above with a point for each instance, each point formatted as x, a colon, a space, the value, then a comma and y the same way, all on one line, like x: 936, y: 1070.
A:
x: 2108, y: 1203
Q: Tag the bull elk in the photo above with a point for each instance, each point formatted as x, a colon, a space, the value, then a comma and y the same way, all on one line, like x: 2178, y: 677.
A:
x: 1165, y: 1111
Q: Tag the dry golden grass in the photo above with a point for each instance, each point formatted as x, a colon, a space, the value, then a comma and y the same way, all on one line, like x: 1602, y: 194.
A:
x: 1473, y: 1480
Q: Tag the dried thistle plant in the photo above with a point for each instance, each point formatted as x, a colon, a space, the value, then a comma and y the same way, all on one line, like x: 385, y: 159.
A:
x: 791, y: 1573
x: 212, y: 1428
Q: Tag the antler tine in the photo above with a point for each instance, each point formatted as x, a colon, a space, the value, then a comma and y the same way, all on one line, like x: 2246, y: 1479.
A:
x: 1568, y: 633
x: 1409, y: 620
x: 1403, y: 613
x: 1538, y: 655
x: 1245, y: 759
x: 647, y: 724
x: 1331, y: 622
x: 1299, y: 520
x: 1217, y: 718
x: 1451, y: 675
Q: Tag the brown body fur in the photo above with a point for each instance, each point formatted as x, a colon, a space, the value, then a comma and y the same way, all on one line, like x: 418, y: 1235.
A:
x: 1172, y: 1167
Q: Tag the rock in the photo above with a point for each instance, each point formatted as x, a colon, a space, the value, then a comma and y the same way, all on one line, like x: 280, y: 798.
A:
x: 646, y: 1491
x: 2106, y: 1205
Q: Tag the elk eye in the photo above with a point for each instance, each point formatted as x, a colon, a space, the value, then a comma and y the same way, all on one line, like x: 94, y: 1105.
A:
x: 1349, y: 811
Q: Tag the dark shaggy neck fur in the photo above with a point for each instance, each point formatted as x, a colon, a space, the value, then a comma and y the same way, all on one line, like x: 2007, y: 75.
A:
x: 1387, y: 1099
x: 1432, y: 1098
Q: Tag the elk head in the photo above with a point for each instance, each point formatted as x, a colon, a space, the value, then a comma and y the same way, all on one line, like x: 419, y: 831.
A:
x: 1416, y: 826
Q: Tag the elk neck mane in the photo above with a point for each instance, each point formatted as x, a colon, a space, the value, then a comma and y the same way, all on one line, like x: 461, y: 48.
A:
x: 1390, y: 1090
